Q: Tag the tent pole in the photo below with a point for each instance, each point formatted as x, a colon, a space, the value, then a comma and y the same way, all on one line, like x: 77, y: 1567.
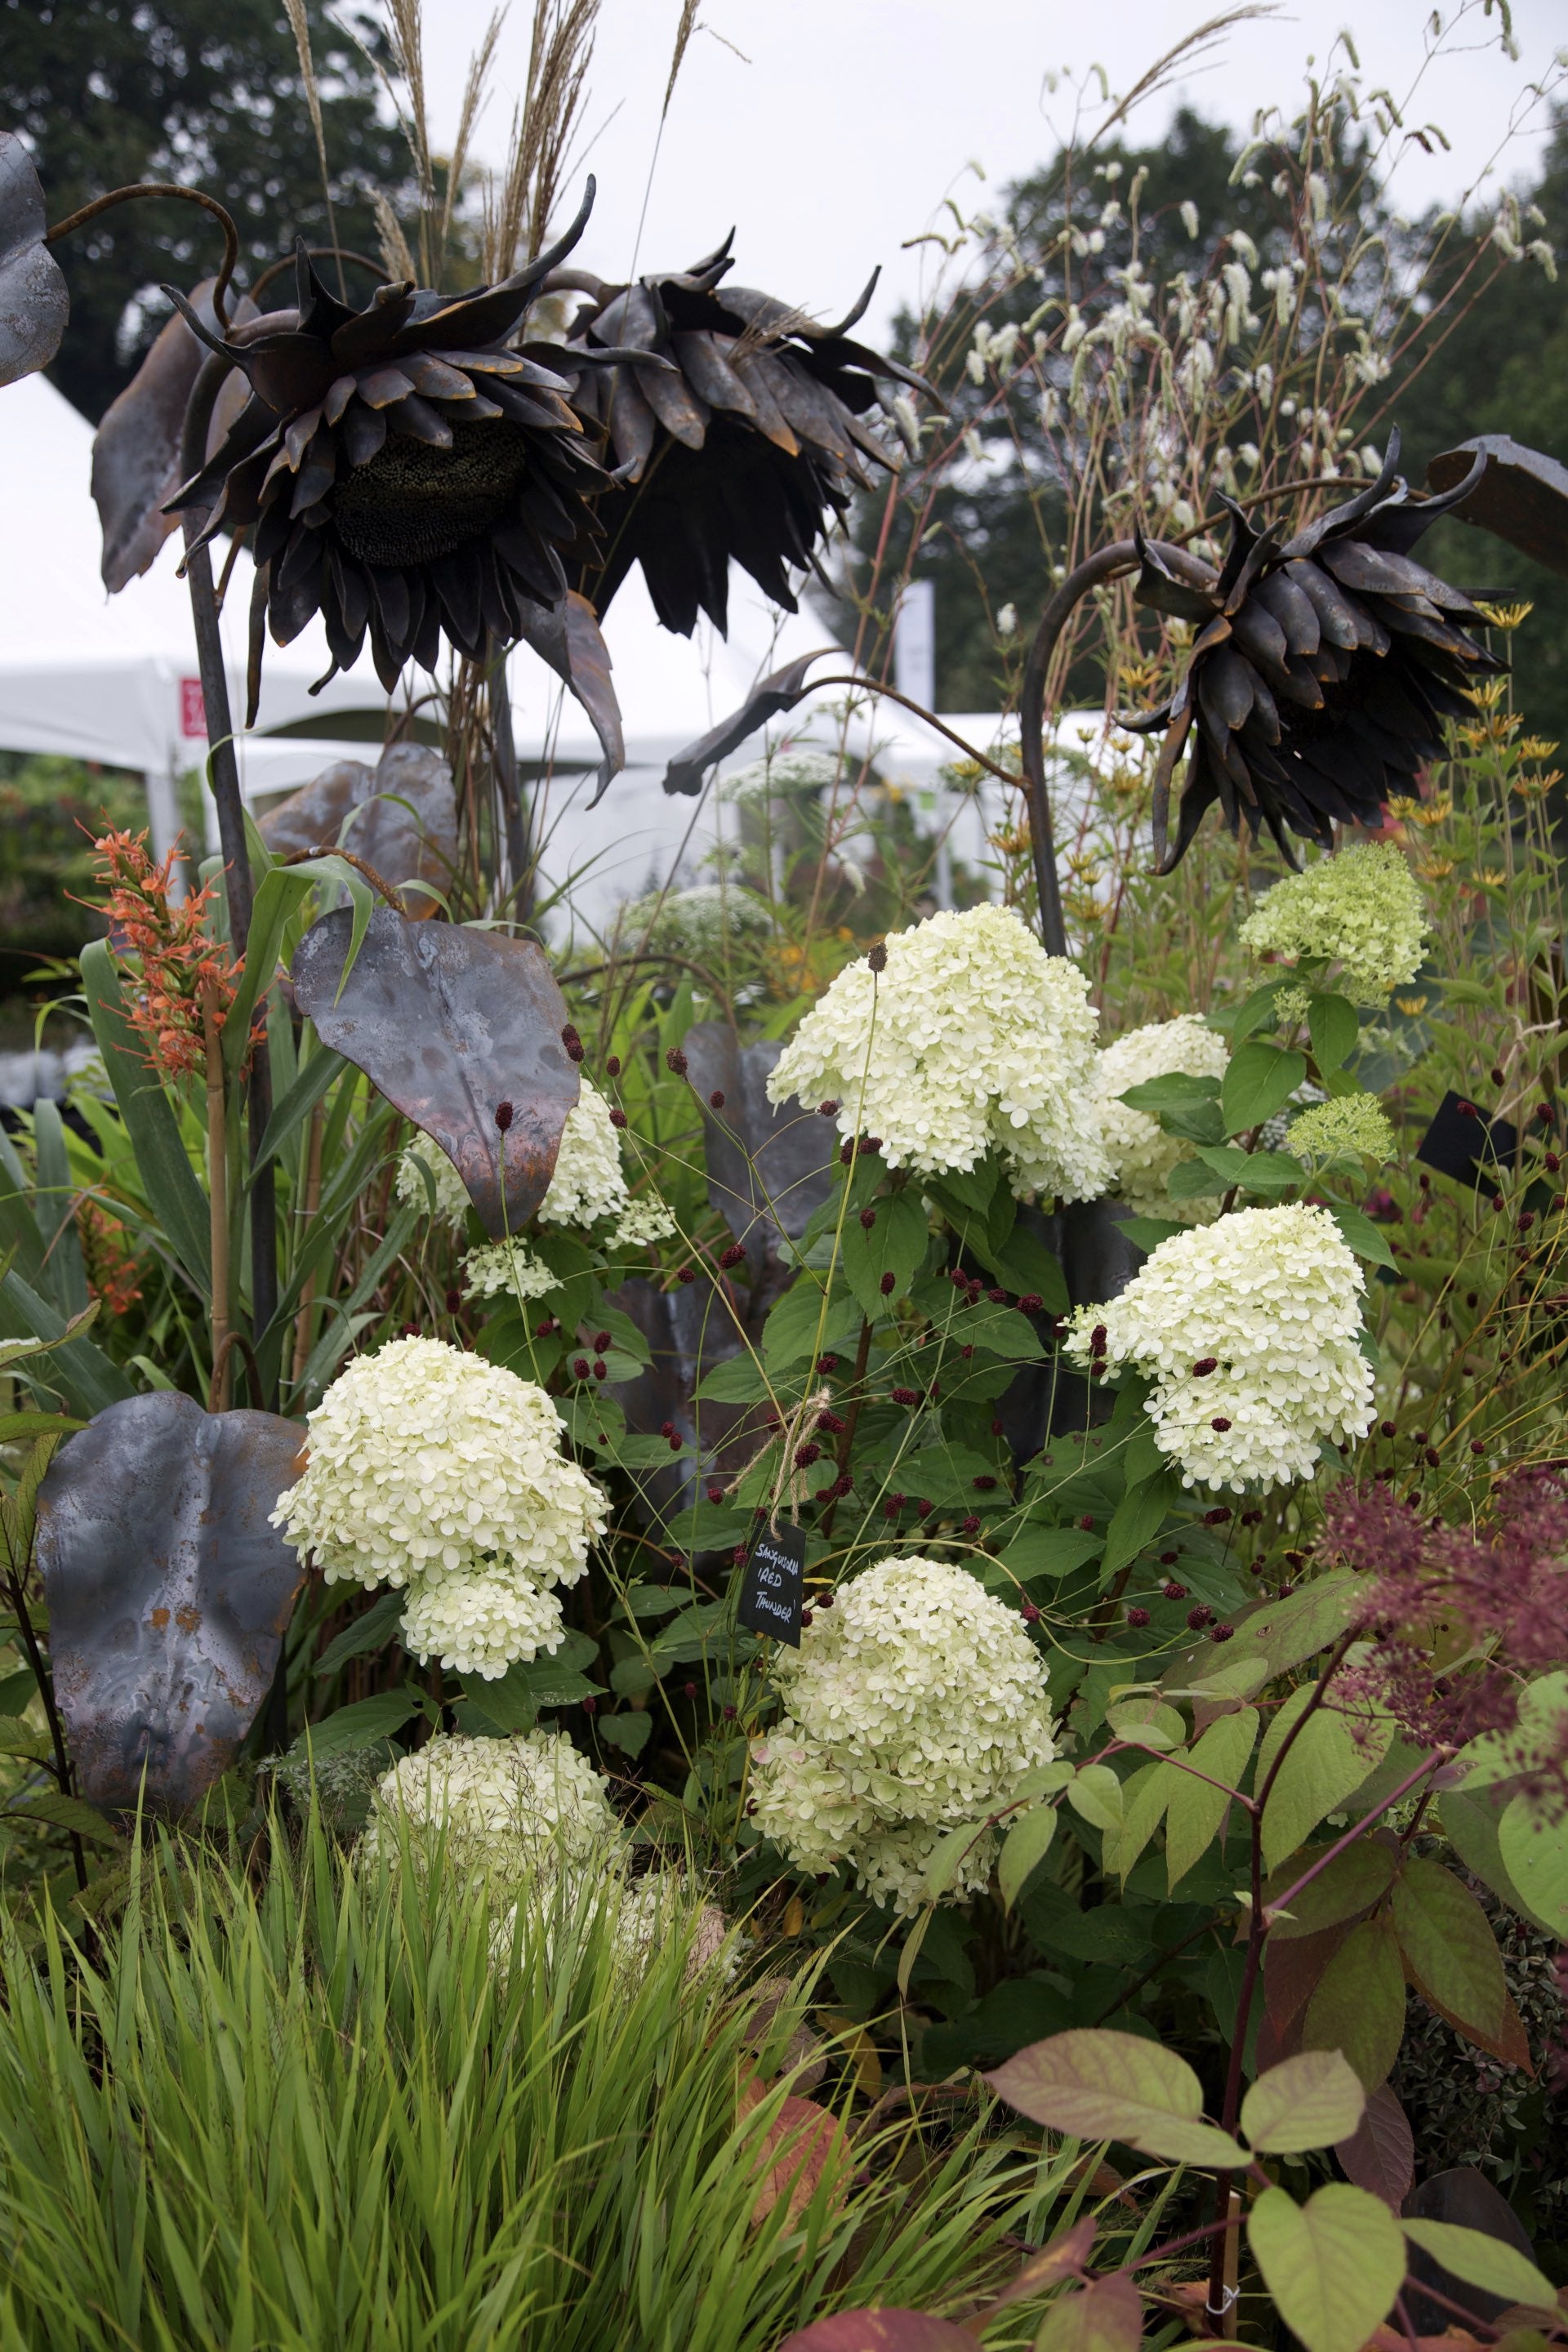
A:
x: 224, y: 770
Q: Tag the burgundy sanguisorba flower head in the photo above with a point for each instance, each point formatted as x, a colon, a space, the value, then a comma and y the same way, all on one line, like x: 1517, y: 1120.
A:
x: 1323, y: 668
x: 407, y: 471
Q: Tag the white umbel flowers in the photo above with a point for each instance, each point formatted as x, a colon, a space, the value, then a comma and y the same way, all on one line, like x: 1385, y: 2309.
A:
x: 917, y: 1704
x: 1249, y: 1329
x: 435, y: 1470
x: 972, y: 1038
x: 1142, y: 1154
x: 1360, y: 908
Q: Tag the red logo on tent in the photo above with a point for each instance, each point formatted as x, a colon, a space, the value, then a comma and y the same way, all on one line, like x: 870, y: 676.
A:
x: 193, y: 710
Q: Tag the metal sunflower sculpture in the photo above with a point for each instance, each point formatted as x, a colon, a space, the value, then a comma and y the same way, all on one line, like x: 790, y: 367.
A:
x: 406, y: 471
x: 748, y: 444
x: 1321, y: 673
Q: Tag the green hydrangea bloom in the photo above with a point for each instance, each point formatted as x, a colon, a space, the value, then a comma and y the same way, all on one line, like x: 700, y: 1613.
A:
x: 1360, y: 908
x: 1354, y: 1125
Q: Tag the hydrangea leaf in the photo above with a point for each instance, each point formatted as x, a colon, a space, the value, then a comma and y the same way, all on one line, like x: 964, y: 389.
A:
x: 1363, y: 1237
x: 1024, y: 1849
x: 1333, y: 2266
x: 1335, y: 1026
x: 1099, y: 2084
x: 1259, y: 1081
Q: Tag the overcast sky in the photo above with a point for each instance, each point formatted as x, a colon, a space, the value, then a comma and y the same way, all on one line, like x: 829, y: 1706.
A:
x: 829, y: 132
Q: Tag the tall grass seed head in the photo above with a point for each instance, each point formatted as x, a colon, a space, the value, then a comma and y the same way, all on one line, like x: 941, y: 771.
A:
x: 1360, y: 908
x: 916, y: 1705
x: 1142, y: 1154
x: 972, y: 1038
x: 1267, y: 1302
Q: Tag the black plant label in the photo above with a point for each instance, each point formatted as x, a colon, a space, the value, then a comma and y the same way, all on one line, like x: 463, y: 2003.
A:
x: 772, y: 1586
x: 1464, y: 1143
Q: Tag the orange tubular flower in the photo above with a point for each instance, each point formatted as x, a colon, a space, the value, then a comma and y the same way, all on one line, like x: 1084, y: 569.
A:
x: 182, y: 963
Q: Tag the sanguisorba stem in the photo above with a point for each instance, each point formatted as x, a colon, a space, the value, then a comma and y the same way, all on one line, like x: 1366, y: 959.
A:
x: 217, y: 1187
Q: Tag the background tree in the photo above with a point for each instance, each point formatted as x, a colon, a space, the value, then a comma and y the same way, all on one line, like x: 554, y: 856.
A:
x: 207, y: 92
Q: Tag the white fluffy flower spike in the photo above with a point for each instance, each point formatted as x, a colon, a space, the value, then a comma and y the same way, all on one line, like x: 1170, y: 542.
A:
x: 1248, y: 1331
x: 1141, y: 1152
x: 588, y: 1182
x: 917, y: 1704
x: 432, y: 1469
x: 972, y: 1038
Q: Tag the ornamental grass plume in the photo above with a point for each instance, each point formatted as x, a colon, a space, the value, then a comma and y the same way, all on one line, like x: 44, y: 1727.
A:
x: 185, y: 972
x: 441, y: 1474
x: 971, y: 1039
x: 1142, y: 1155
x: 916, y: 1705
x: 1249, y: 1331
x: 1359, y: 909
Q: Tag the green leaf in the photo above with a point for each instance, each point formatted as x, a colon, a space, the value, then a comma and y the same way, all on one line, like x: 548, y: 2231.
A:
x: 1103, y: 2085
x: 1195, y: 1180
x: 1352, y: 1883
x: 13, y: 1426
x: 1048, y: 1551
x: 1095, y: 1793
x: 1534, y: 1854
x: 173, y: 1194
x: 1107, y: 2315
x: 1313, y: 2100
x: 1453, y: 1959
x: 1173, y: 1090
x: 1254, y: 1172
x: 798, y: 1328
x: 1138, y: 1519
x: 290, y: 1114
x: 1259, y: 1079
x: 894, y: 1244
x: 1327, y: 1757
x: 359, y: 1726
x: 740, y: 1379
x: 1148, y: 1232
x: 1335, y: 1026
x: 1143, y: 1799
x: 1194, y: 1809
x: 77, y: 1368
x: 1148, y: 1721
x: 63, y: 1813
x: 17, y: 1691
x: 1490, y: 2263
x: 1025, y: 1265
x: 1361, y: 1235
x: 629, y: 1731
x: 371, y: 1631
x: 1024, y: 1849
x: 1333, y: 2266
x: 946, y: 1857
x: 1358, y: 2004
x: 1256, y: 1012
x: 19, y: 1738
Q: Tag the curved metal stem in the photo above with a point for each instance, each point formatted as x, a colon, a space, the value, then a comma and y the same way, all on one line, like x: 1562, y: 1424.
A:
x: 185, y: 195
x: 1107, y: 564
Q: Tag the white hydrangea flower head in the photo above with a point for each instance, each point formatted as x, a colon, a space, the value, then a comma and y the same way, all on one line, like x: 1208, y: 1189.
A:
x: 425, y: 1158
x: 979, y: 1040
x: 1249, y: 1329
x: 511, y: 1810
x: 588, y: 1182
x: 1142, y: 1154
x: 781, y: 775
x: 1361, y: 906
x: 432, y: 1469
x: 643, y: 1222
x: 916, y: 1704
x: 509, y: 1265
x: 1345, y: 1126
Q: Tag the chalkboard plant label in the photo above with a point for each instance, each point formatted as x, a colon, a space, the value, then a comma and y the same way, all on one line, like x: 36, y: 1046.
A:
x: 772, y: 1586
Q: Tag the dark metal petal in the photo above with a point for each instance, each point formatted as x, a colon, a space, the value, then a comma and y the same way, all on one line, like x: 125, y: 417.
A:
x: 568, y: 636
x: 168, y: 1591
x: 450, y: 1022
x: 34, y: 303
x: 1519, y: 494
x: 776, y: 693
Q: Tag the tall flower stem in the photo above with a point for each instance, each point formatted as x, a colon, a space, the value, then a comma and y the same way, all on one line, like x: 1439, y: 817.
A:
x: 218, y: 1206
x: 224, y: 773
x: 308, y: 1206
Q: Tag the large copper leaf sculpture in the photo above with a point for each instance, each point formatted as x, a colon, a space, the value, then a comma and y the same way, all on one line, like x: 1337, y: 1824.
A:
x: 34, y: 304
x: 1521, y: 494
x: 168, y: 1591
x: 407, y: 825
x: 770, y: 1164
x: 454, y: 1025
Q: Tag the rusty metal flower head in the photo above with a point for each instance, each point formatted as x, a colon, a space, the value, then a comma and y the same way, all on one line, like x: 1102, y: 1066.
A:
x: 1323, y: 671
x: 747, y: 446
x: 406, y: 471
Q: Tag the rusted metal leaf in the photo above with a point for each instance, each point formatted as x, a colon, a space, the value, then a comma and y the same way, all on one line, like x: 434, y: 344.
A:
x: 769, y: 1164
x: 136, y: 449
x: 453, y: 1026
x: 567, y: 636
x: 34, y: 304
x: 168, y: 1591
x: 407, y: 825
x: 770, y: 696
x: 1522, y: 496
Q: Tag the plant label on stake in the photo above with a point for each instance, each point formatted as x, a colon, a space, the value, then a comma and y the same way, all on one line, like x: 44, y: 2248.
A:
x: 772, y: 1586
x: 1466, y: 1143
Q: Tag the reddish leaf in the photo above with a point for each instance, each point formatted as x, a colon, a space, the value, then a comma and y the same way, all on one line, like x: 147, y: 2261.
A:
x: 1060, y: 2260
x: 1358, y: 2007
x: 804, y: 2143
x: 1105, y: 2317
x: 1381, y: 2154
x: 1453, y: 1959
x: 1350, y: 1884
x: 880, y: 2331
x: 1293, y: 1967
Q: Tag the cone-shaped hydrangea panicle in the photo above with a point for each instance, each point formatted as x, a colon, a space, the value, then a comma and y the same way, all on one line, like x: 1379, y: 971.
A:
x: 435, y: 1471
x: 1141, y: 1153
x: 405, y: 468
x: 972, y: 1039
x: 1249, y: 1331
x: 748, y: 446
x: 919, y: 1703
x: 508, y: 1809
x: 1323, y: 671
x: 1361, y: 909
x: 588, y: 1182
x: 423, y: 1158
